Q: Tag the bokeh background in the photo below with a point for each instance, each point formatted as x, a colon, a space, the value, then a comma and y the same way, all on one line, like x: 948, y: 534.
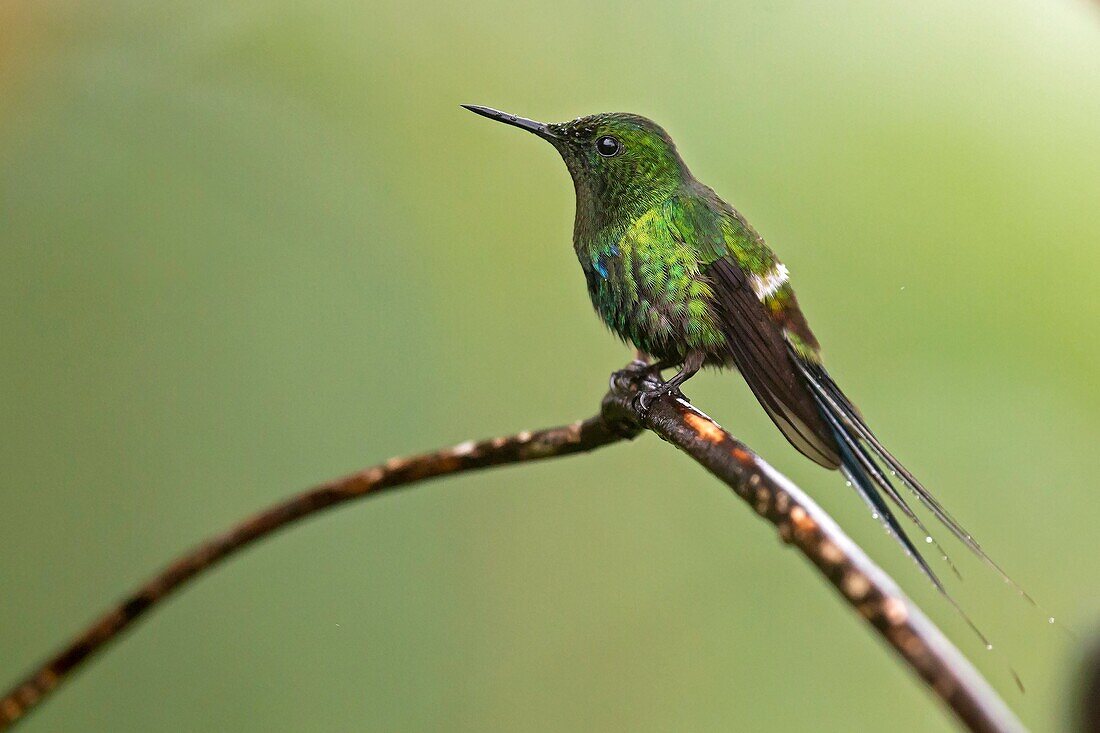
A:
x: 247, y: 246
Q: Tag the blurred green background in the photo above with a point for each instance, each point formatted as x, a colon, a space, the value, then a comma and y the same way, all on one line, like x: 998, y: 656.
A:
x: 247, y: 246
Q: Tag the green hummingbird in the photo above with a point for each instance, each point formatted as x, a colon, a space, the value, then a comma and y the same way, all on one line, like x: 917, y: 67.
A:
x: 680, y: 274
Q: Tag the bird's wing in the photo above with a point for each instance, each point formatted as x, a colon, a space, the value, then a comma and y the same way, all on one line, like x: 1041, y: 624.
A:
x: 756, y: 337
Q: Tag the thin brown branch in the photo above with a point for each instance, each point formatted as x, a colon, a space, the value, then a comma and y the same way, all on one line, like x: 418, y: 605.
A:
x: 797, y: 518
x: 802, y: 523
x: 526, y: 446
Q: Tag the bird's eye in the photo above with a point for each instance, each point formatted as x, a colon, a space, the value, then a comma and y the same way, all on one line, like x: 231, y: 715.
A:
x: 608, y: 146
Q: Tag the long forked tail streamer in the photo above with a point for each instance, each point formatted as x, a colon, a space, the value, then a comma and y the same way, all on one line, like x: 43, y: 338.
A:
x: 871, y: 483
x: 838, y: 405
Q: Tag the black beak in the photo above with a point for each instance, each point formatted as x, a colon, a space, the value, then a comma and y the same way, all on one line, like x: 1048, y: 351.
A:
x: 539, y: 128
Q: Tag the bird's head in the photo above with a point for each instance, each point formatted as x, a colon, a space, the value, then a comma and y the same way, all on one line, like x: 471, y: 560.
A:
x: 621, y: 164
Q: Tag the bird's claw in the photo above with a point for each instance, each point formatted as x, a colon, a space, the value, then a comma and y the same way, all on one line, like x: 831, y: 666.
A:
x: 646, y: 397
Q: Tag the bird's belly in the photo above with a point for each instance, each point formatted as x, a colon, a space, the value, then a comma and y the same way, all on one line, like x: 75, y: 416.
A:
x: 653, y: 320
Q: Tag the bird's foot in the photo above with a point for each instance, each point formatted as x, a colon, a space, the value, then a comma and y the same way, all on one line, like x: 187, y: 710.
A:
x: 646, y: 397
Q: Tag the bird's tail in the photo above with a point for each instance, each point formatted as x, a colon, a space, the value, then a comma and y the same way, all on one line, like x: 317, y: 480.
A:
x: 863, y: 460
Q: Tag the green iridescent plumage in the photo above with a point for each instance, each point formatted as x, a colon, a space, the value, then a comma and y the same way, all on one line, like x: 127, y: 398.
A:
x: 678, y: 272
x: 645, y: 232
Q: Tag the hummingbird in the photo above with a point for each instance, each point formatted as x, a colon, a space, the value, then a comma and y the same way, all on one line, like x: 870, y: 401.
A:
x: 679, y: 273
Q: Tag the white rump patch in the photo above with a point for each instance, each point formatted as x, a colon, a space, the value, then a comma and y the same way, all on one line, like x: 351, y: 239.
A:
x: 767, y: 285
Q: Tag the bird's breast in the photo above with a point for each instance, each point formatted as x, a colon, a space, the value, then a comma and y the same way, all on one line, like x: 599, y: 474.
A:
x: 653, y: 297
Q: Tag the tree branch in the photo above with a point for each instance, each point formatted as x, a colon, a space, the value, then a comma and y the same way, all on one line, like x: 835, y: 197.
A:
x: 802, y: 523
x: 581, y: 436
x: 797, y: 518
